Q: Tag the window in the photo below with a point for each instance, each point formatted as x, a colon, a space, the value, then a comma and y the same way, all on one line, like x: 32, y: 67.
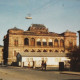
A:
x: 56, y: 43
x: 50, y: 51
x: 44, y: 51
x: 26, y: 41
x: 26, y: 50
x: 39, y: 43
x: 62, y: 51
x: 56, y: 50
x: 39, y: 51
x: 33, y: 50
x: 50, y: 42
x: 71, y: 44
x: 61, y: 43
x: 32, y: 42
x: 44, y: 43
x: 16, y: 42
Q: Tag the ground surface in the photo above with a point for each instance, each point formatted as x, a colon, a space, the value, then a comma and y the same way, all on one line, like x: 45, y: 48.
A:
x: 15, y: 73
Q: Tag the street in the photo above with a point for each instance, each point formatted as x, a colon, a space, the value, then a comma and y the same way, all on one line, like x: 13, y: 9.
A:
x: 18, y: 73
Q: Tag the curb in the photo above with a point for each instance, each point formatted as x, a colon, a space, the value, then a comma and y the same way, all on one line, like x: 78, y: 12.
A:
x: 70, y: 73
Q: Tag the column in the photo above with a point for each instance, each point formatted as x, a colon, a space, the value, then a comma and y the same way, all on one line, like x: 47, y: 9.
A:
x: 47, y: 42
x: 53, y: 42
x: 41, y: 43
x: 29, y: 42
x: 59, y: 42
x: 35, y: 42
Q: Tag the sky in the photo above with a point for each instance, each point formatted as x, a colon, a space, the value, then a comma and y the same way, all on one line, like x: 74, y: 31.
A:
x: 57, y: 15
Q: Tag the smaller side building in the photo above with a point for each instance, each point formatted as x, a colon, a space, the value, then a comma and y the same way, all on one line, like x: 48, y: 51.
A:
x: 31, y: 59
x: 1, y: 54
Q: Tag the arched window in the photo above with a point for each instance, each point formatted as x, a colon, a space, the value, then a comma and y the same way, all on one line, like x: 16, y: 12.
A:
x: 44, y: 42
x: 61, y: 43
x: 26, y: 41
x: 62, y: 51
x: 38, y: 42
x: 56, y: 43
x: 26, y: 50
x: 33, y: 50
x: 32, y: 42
x: 44, y: 51
x: 50, y: 51
x: 16, y: 42
x: 50, y: 42
x: 39, y: 51
x: 56, y: 50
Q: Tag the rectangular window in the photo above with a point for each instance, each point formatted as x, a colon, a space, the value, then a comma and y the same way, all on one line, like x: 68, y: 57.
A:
x: 50, y: 44
x: 16, y: 42
x: 44, y: 43
x: 39, y: 43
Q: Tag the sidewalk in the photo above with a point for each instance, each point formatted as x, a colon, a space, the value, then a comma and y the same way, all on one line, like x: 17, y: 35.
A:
x: 70, y: 72
x: 48, y: 69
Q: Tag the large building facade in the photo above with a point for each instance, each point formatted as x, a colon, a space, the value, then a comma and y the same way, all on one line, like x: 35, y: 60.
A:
x: 36, y: 39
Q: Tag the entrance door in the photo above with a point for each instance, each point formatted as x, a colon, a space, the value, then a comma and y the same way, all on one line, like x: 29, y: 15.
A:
x: 61, y: 66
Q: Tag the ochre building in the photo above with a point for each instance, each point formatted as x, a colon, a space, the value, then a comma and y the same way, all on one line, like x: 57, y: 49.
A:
x: 36, y: 39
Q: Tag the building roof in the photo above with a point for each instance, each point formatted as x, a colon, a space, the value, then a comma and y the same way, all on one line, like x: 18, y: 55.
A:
x: 38, y: 25
x: 68, y: 31
x: 42, y: 54
x: 15, y: 28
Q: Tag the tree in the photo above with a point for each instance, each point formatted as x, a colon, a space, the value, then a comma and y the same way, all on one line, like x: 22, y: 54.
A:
x: 74, y: 56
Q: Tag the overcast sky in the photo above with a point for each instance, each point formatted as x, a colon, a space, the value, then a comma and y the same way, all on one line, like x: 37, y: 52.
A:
x: 56, y: 15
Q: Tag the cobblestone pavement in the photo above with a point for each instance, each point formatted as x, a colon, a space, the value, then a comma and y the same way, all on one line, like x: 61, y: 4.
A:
x: 17, y: 73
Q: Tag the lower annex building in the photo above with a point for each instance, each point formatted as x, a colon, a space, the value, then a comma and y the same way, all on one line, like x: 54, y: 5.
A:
x: 37, y: 39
